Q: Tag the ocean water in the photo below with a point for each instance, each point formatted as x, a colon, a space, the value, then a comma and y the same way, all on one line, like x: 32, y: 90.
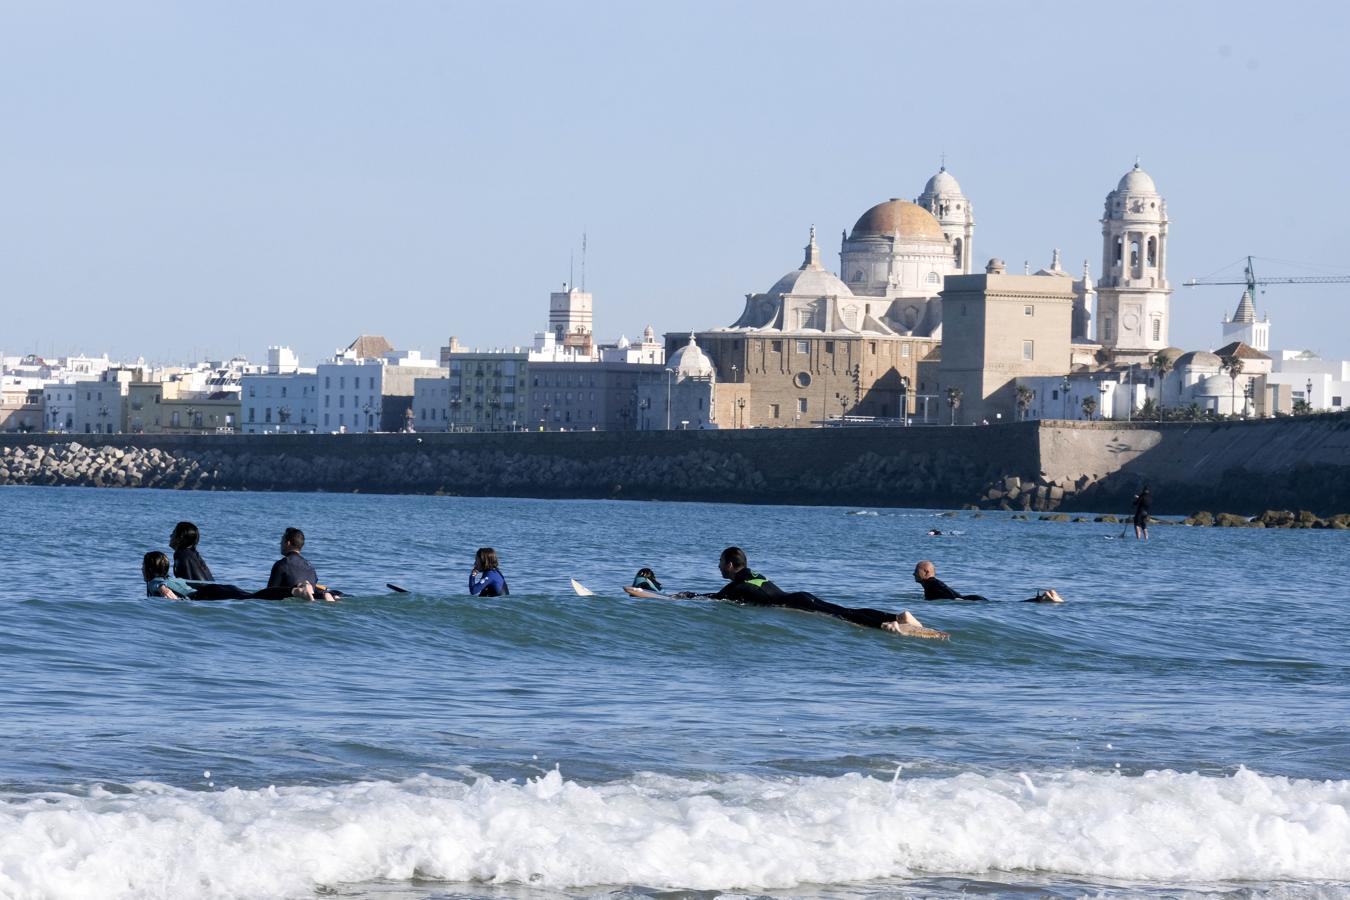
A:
x: 1180, y: 727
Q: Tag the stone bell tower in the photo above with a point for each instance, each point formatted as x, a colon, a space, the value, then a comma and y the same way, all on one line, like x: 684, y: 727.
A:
x: 1133, y: 294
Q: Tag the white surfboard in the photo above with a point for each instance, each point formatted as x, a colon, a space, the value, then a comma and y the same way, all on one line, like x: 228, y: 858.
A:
x: 646, y: 594
x: 581, y: 589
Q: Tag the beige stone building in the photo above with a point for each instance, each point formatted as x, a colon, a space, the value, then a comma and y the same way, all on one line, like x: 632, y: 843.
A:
x: 1000, y: 328
x: 809, y: 350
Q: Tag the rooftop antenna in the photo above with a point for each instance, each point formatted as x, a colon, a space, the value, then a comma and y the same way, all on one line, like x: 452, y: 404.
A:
x: 943, y: 167
x: 583, y: 260
x: 571, y: 267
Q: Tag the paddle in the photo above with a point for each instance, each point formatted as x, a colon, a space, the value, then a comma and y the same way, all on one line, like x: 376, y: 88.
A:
x: 396, y: 589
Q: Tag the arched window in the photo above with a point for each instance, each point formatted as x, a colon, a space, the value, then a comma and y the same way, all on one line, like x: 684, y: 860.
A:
x: 1120, y: 245
x: 933, y: 278
x: 1134, y: 253
x: 1152, y: 251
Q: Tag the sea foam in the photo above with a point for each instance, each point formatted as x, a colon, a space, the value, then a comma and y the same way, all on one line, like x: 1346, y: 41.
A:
x: 153, y: 840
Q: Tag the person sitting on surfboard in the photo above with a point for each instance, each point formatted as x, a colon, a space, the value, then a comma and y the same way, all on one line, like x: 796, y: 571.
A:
x: 187, y: 562
x: 925, y: 573
x: 293, y: 572
x: 486, y: 579
x: 646, y: 579
x: 753, y: 589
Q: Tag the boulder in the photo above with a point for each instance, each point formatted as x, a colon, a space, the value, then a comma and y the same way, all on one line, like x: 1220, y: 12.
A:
x: 1202, y: 518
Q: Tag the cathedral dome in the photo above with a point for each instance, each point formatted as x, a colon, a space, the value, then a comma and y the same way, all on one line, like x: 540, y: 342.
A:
x: 691, y: 362
x: 942, y: 183
x: 1198, y: 359
x: 899, y: 216
x: 1137, y: 181
x: 810, y: 282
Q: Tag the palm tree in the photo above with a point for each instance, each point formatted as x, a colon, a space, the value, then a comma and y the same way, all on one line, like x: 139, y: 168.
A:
x: 1024, y: 397
x: 1089, y: 407
x: 1161, y: 363
x: 1233, y: 366
x: 954, y: 395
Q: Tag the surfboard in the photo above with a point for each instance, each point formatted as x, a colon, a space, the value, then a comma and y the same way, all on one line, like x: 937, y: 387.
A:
x: 646, y: 594
x: 582, y: 590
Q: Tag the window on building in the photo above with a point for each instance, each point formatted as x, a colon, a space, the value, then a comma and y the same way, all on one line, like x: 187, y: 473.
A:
x: 1152, y: 251
x: 776, y: 346
x: 327, y: 382
x: 267, y: 414
x: 251, y: 411
x: 873, y: 346
x: 342, y: 382
x: 1335, y: 400
x: 829, y: 346
x: 372, y: 383
x: 802, y: 405
x: 1028, y: 310
x: 933, y: 278
x: 773, y: 410
x: 904, y: 350
x: 803, y: 346
x: 1108, y: 328
x: 1028, y: 349
x: 1157, y: 329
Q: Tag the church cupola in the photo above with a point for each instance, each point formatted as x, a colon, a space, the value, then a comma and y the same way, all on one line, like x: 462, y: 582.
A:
x: 1133, y: 294
x: 943, y: 198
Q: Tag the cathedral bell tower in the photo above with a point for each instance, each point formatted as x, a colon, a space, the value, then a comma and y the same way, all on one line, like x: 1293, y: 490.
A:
x: 1133, y: 294
x: 943, y: 198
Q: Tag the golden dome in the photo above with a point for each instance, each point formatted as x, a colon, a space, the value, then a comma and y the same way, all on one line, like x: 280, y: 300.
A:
x: 910, y: 220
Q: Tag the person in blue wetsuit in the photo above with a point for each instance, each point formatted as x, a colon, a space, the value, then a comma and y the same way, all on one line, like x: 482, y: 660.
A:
x: 187, y: 562
x: 486, y: 579
x: 646, y: 579
x: 752, y: 589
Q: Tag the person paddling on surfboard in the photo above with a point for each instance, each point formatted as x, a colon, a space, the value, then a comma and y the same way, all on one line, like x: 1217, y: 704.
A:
x: 159, y: 583
x: 486, y: 579
x: 646, y: 580
x: 925, y: 573
x: 753, y: 589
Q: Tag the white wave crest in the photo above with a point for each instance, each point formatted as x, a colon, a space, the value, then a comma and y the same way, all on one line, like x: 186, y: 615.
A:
x: 737, y: 832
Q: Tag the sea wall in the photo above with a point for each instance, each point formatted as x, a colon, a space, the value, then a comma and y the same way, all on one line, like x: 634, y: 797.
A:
x: 1298, y: 463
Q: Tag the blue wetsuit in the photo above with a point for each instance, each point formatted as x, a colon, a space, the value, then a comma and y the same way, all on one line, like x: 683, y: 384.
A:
x: 488, y: 584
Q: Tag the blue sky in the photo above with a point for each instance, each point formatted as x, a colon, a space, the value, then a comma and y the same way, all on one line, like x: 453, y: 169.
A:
x: 183, y: 180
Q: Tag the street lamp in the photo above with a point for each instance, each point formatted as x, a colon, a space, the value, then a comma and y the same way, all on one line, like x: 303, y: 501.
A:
x: 740, y: 404
x: 904, y: 400
x: 1065, y: 389
x: 192, y: 417
x: 365, y: 408
x: 669, y: 373
x: 1102, y: 388
x: 1307, y: 397
x: 547, y: 407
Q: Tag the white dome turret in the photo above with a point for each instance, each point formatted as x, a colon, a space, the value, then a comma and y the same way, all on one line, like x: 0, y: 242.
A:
x: 691, y: 362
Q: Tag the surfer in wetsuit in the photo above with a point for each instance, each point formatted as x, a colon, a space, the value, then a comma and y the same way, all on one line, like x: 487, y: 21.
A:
x: 486, y: 579
x: 159, y: 583
x: 646, y: 580
x: 292, y: 575
x: 1142, y: 501
x: 187, y: 562
x: 753, y: 589
x: 925, y: 573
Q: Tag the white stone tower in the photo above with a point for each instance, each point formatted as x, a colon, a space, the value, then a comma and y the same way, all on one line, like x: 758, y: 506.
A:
x: 1244, y: 326
x: 1133, y: 295
x: 569, y: 318
x: 943, y: 198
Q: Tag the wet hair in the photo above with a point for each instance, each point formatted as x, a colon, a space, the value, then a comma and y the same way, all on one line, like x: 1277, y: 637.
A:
x: 155, y: 565
x: 185, y: 536
x: 648, y: 574
x: 925, y: 565
x: 485, y: 560
x: 295, y: 537
x: 734, y: 556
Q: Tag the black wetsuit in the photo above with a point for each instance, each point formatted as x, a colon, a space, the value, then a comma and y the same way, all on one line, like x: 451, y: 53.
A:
x: 755, y: 590
x: 933, y: 589
x: 290, y: 570
x: 1141, y: 505
x: 189, y: 565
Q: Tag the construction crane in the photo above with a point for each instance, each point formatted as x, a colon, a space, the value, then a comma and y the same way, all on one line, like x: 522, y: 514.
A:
x: 1251, y: 281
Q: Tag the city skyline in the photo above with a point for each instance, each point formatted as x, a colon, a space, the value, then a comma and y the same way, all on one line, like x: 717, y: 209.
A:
x: 205, y: 182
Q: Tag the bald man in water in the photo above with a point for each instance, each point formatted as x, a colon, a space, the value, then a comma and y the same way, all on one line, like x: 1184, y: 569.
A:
x: 925, y: 573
